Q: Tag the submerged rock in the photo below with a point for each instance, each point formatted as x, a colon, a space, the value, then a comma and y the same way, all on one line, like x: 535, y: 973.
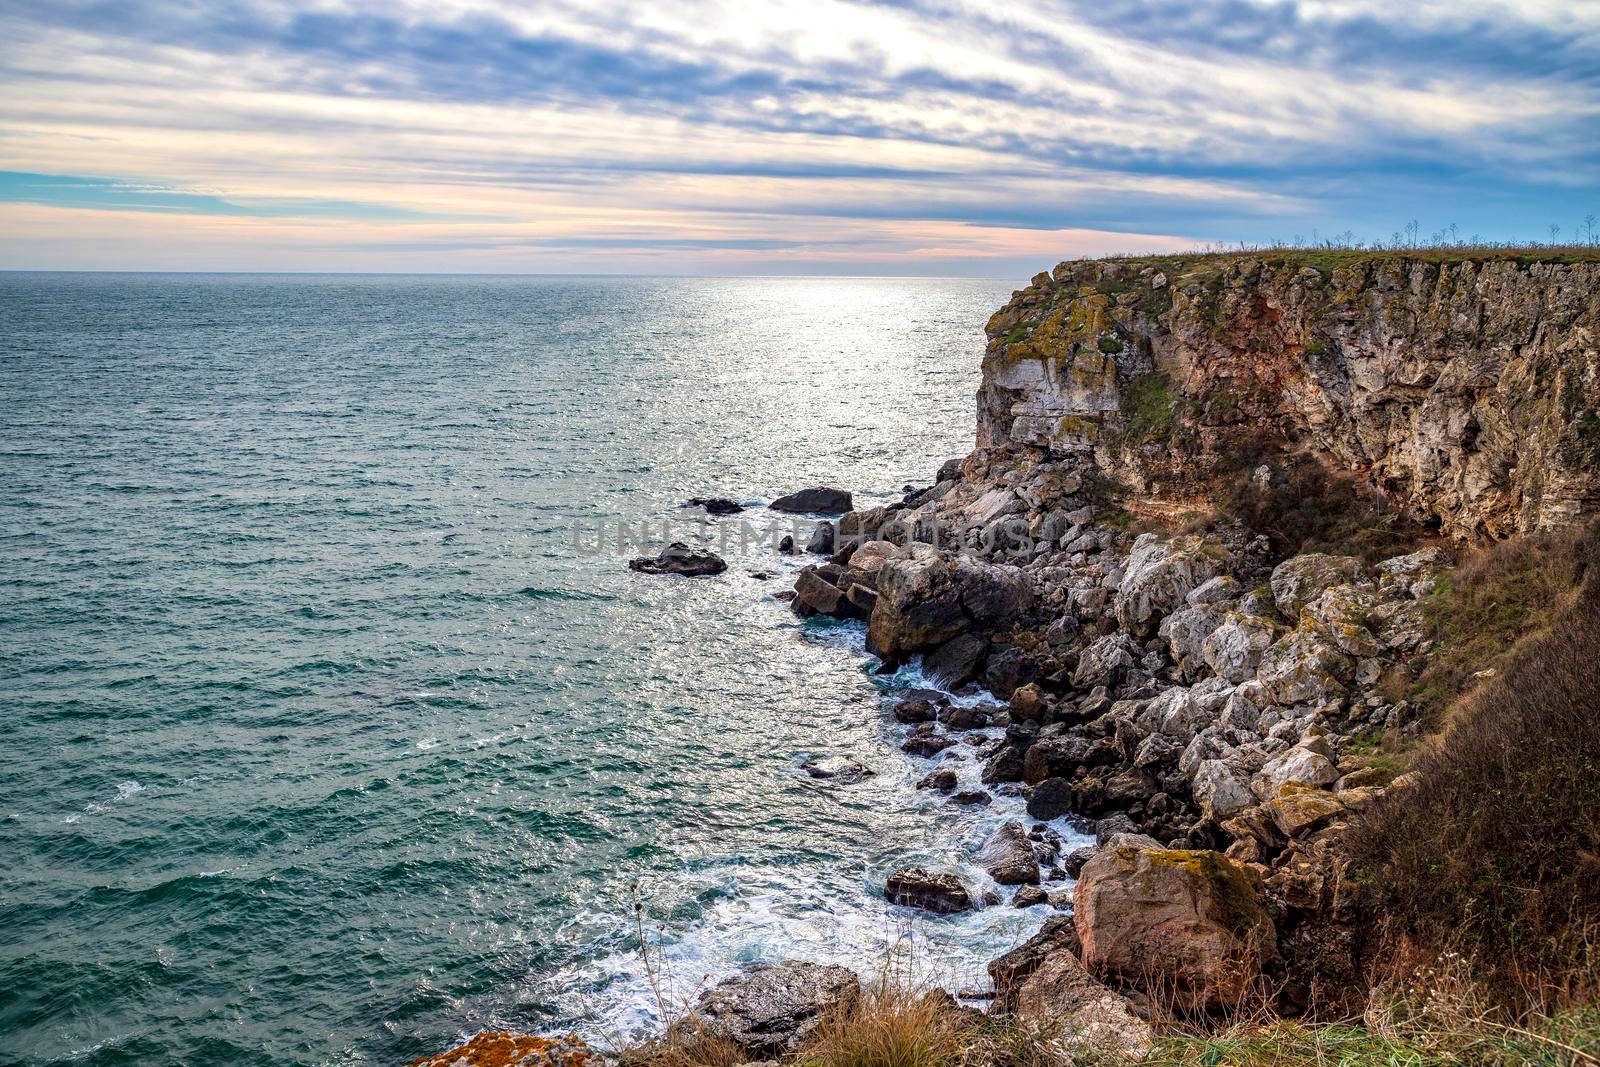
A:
x: 819, y: 501
x: 714, y: 505
x: 840, y: 769
x: 917, y: 887
x: 679, y: 558
x: 769, y: 1008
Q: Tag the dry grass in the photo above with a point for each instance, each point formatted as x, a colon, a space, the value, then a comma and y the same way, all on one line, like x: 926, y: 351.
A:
x: 889, y: 1026
x: 1493, y: 851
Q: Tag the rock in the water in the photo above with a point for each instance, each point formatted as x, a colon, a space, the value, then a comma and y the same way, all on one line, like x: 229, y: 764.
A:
x: 1030, y: 896
x: 972, y: 796
x: 822, y: 539
x: 768, y: 1009
x: 957, y: 661
x: 1008, y: 856
x: 786, y: 545
x: 917, y: 887
x: 679, y: 558
x: 820, y: 501
x: 925, y: 740
x: 714, y: 505
x: 912, y: 710
x: 940, y: 780
x: 1186, y: 923
x: 840, y: 769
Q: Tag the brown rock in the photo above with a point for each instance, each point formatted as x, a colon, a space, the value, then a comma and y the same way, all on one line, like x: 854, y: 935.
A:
x: 1186, y: 923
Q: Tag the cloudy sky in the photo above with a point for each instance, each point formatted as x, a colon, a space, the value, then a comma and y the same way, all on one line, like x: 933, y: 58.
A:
x: 777, y: 136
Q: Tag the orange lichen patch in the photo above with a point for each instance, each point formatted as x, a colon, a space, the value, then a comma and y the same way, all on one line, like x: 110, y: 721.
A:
x: 505, y: 1049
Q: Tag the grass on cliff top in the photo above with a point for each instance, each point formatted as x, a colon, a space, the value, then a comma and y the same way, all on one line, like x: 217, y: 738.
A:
x: 1327, y: 259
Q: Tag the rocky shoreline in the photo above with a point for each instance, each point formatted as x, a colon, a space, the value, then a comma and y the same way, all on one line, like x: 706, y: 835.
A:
x: 1190, y: 559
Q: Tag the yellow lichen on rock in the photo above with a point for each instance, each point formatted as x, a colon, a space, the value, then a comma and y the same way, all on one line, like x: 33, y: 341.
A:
x: 505, y: 1049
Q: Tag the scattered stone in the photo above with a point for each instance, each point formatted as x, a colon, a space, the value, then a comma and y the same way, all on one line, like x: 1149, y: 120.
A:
x: 679, y: 558
x: 917, y: 887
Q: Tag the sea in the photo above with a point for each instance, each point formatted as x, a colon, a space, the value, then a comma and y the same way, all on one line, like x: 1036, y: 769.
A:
x: 335, y: 729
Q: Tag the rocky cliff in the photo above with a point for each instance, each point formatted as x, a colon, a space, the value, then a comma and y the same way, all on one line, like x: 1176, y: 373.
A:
x: 1464, y: 395
x: 1136, y: 561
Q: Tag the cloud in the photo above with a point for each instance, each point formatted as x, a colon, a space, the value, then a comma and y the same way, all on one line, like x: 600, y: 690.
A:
x: 717, y: 129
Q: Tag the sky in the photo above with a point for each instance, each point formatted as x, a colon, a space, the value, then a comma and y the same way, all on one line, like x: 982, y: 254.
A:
x: 902, y: 137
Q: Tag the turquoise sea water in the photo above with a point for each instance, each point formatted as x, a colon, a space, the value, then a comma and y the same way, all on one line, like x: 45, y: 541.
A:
x: 321, y: 740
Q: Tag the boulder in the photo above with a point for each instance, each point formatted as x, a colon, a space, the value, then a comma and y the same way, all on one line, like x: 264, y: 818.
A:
x: 1187, y: 924
x: 1030, y: 896
x: 1296, y: 765
x: 714, y: 505
x: 1305, y: 668
x: 1299, y: 809
x: 1298, y: 581
x: 824, y: 590
x: 679, y: 558
x: 1010, y: 970
x: 925, y: 740
x: 924, y: 600
x: 911, y: 710
x: 1159, y: 575
x: 941, y: 779
x: 1221, y: 790
x: 840, y: 769
x: 957, y: 661
x: 820, y: 501
x: 786, y: 545
x: 1008, y: 856
x: 917, y: 887
x: 968, y: 797
x: 1233, y: 650
x: 1105, y: 661
x: 821, y: 540
x: 1050, y: 799
x: 1062, y: 998
x: 768, y: 1009
x: 1185, y: 632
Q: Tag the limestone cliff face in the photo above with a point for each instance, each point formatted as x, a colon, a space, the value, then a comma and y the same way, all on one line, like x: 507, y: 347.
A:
x: 1466, y: 393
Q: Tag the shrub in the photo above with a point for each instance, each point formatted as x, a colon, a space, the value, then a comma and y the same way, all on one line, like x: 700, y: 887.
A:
x: 891, y: 1027
x: 1493, y: 849
x: 1302, y: 507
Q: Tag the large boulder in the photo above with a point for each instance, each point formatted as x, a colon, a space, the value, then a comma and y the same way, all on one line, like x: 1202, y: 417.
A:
x: 1008, y: 856
x: 767, y: 1009
x: 820, y: 501
x: 1105, y: 661
x: 925, y: 600
x: 679, y: 558
x: 1159, y: 575
x: 1298, y: 581
x: 917, y: 887
x: 1081, y: 1014
x: 1297, y: 765
x: 1305, y: 667
x: 1185, y: 632
x: 1188, y: 924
